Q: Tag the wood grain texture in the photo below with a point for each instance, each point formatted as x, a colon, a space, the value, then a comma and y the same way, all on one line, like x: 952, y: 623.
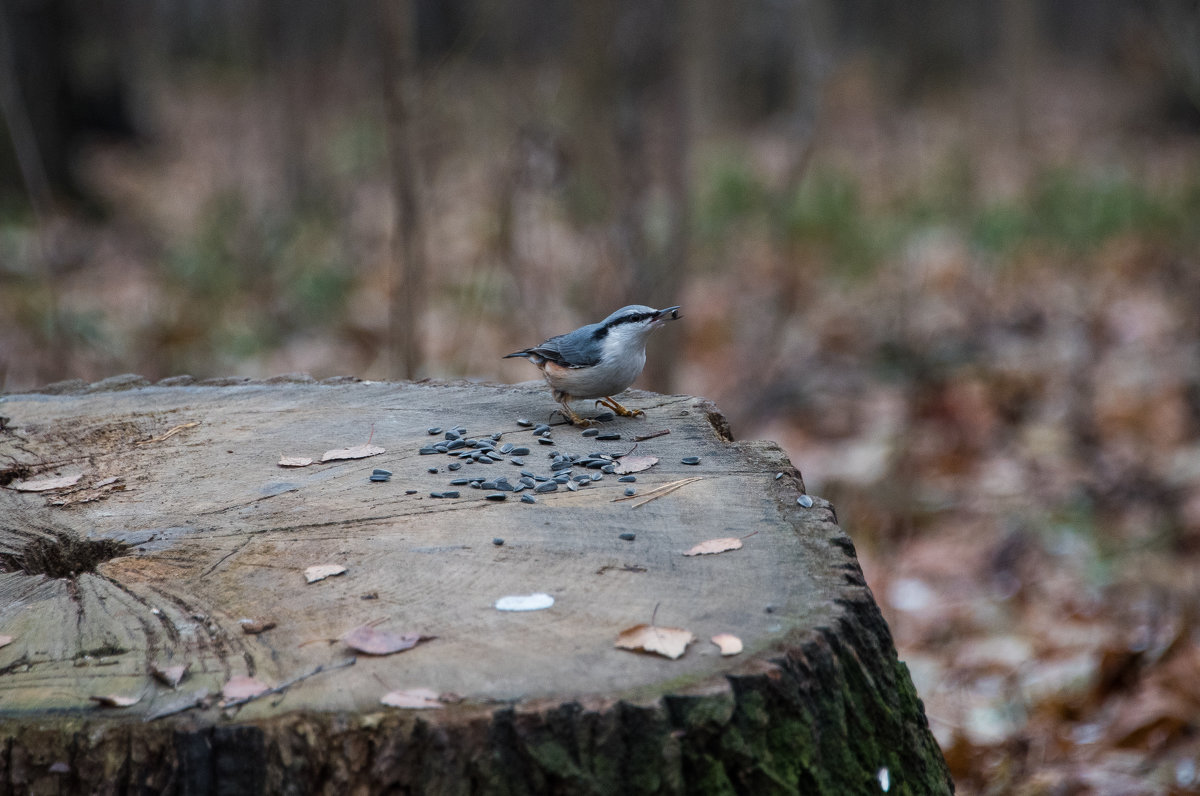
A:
x: 216, y: 532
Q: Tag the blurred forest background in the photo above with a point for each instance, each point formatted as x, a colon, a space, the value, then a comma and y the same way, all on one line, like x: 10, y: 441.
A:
x: 947, y: 252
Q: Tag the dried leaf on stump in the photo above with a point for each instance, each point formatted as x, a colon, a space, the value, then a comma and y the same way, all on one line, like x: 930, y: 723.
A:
x: 46, y: 484
x: 670, y: 642
x: 295, y: 461
x: 715, y: 546
x: 321, y: 571
x: 635, y: 464
x: 242, y: 687
x: 412, y: 698
x: 371, y: 641
x: 170, y: 675
x: 729, y: 643
x: 255, y: 626
x: 114, y: 701
x: 357, y: 452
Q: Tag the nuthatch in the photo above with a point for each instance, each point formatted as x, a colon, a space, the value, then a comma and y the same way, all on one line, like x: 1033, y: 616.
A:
x: 598, y: 360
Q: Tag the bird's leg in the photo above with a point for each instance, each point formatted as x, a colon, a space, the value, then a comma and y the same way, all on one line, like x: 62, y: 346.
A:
x: 574, y: 419
x: 622, y: 411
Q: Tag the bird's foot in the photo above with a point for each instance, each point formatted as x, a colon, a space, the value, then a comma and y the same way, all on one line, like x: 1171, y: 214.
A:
x: 573, y: 418
x: 620, y: 410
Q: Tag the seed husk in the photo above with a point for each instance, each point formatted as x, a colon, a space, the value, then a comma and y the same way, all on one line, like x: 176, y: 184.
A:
x: 778, y: 476
x: 597, y: 476
x: 690, y: 460
x: 805, y: 501
x: 571, y: 485
x: 528, y: 499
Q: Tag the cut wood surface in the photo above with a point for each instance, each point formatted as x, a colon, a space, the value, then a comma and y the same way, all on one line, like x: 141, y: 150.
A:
x: 184, y: 543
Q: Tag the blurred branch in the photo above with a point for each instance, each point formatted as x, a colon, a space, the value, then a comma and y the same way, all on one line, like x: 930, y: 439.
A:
x: 20, y: 126
x: 406, y: 277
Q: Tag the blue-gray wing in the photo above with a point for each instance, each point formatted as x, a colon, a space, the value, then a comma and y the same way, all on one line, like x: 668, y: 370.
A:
x: 577, y: 349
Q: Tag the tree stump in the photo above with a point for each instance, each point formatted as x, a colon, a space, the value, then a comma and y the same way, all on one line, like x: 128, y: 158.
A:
x: 183, y: 543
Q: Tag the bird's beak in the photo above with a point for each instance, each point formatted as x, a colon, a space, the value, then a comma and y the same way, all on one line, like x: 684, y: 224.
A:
x: 669, y: 314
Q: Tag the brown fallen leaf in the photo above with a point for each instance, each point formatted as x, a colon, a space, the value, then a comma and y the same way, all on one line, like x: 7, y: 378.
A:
x: 170, y: 675
x: 715, y: 546
x: 242, y: 687
x: 294, y: 461
x: 45, y: 484
x: 728, y: 643
x: 371, y: 641
x: 357, y: 452
x: 670, y: 642
x: 5, y: 641
x: 321, y: 571
x: 412, y: 698
x: 255, y: 626
x: 114, y: 701
x: 635, y: 464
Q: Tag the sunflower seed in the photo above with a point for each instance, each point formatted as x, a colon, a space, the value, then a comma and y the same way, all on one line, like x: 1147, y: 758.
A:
x: 410, y: 491
x: 546, y: 440
x: 380, y: 471
x: 604, y: 417
x: 690, y: 460
x: 458, y: 443
x: 451, y: 436
x: 561, y: 464
x: 548, y: 486
x: 497, y: 496
x: 519, y: 488
x: 518, y: 461
x: 528, y: 481
x: 541, y: 428
x: 591, y: 432
x: 460, y: 482
x: 507, y: 447
x: 609, y: 468
x: 628, y: 537
x: 571, y: 485
x: 597, y: 476
x: 563, y: 478
x: 454, y: 465
x: 498, y: 541
x: 805, y: 501
x: 582, y: 478
x: 434, y: 430
x: 519, y: 452
x: 630, y: 492
x: 608, y: 437
x: 627, y: 479
x: 528, y: 499
x: 523, y: 422
x: 379, y: 478
x: 427, y: 451
x: 498, y: 435
x: 431, y: 469
x: 778, y: 476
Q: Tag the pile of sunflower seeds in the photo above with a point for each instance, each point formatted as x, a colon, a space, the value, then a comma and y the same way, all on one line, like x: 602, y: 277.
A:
x: 489, y: 449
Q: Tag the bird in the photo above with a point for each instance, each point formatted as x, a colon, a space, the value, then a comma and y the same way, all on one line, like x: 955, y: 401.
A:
x: 598, y: 360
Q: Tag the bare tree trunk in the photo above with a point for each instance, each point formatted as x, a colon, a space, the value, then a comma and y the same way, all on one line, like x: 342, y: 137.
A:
x: 406, y: 277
